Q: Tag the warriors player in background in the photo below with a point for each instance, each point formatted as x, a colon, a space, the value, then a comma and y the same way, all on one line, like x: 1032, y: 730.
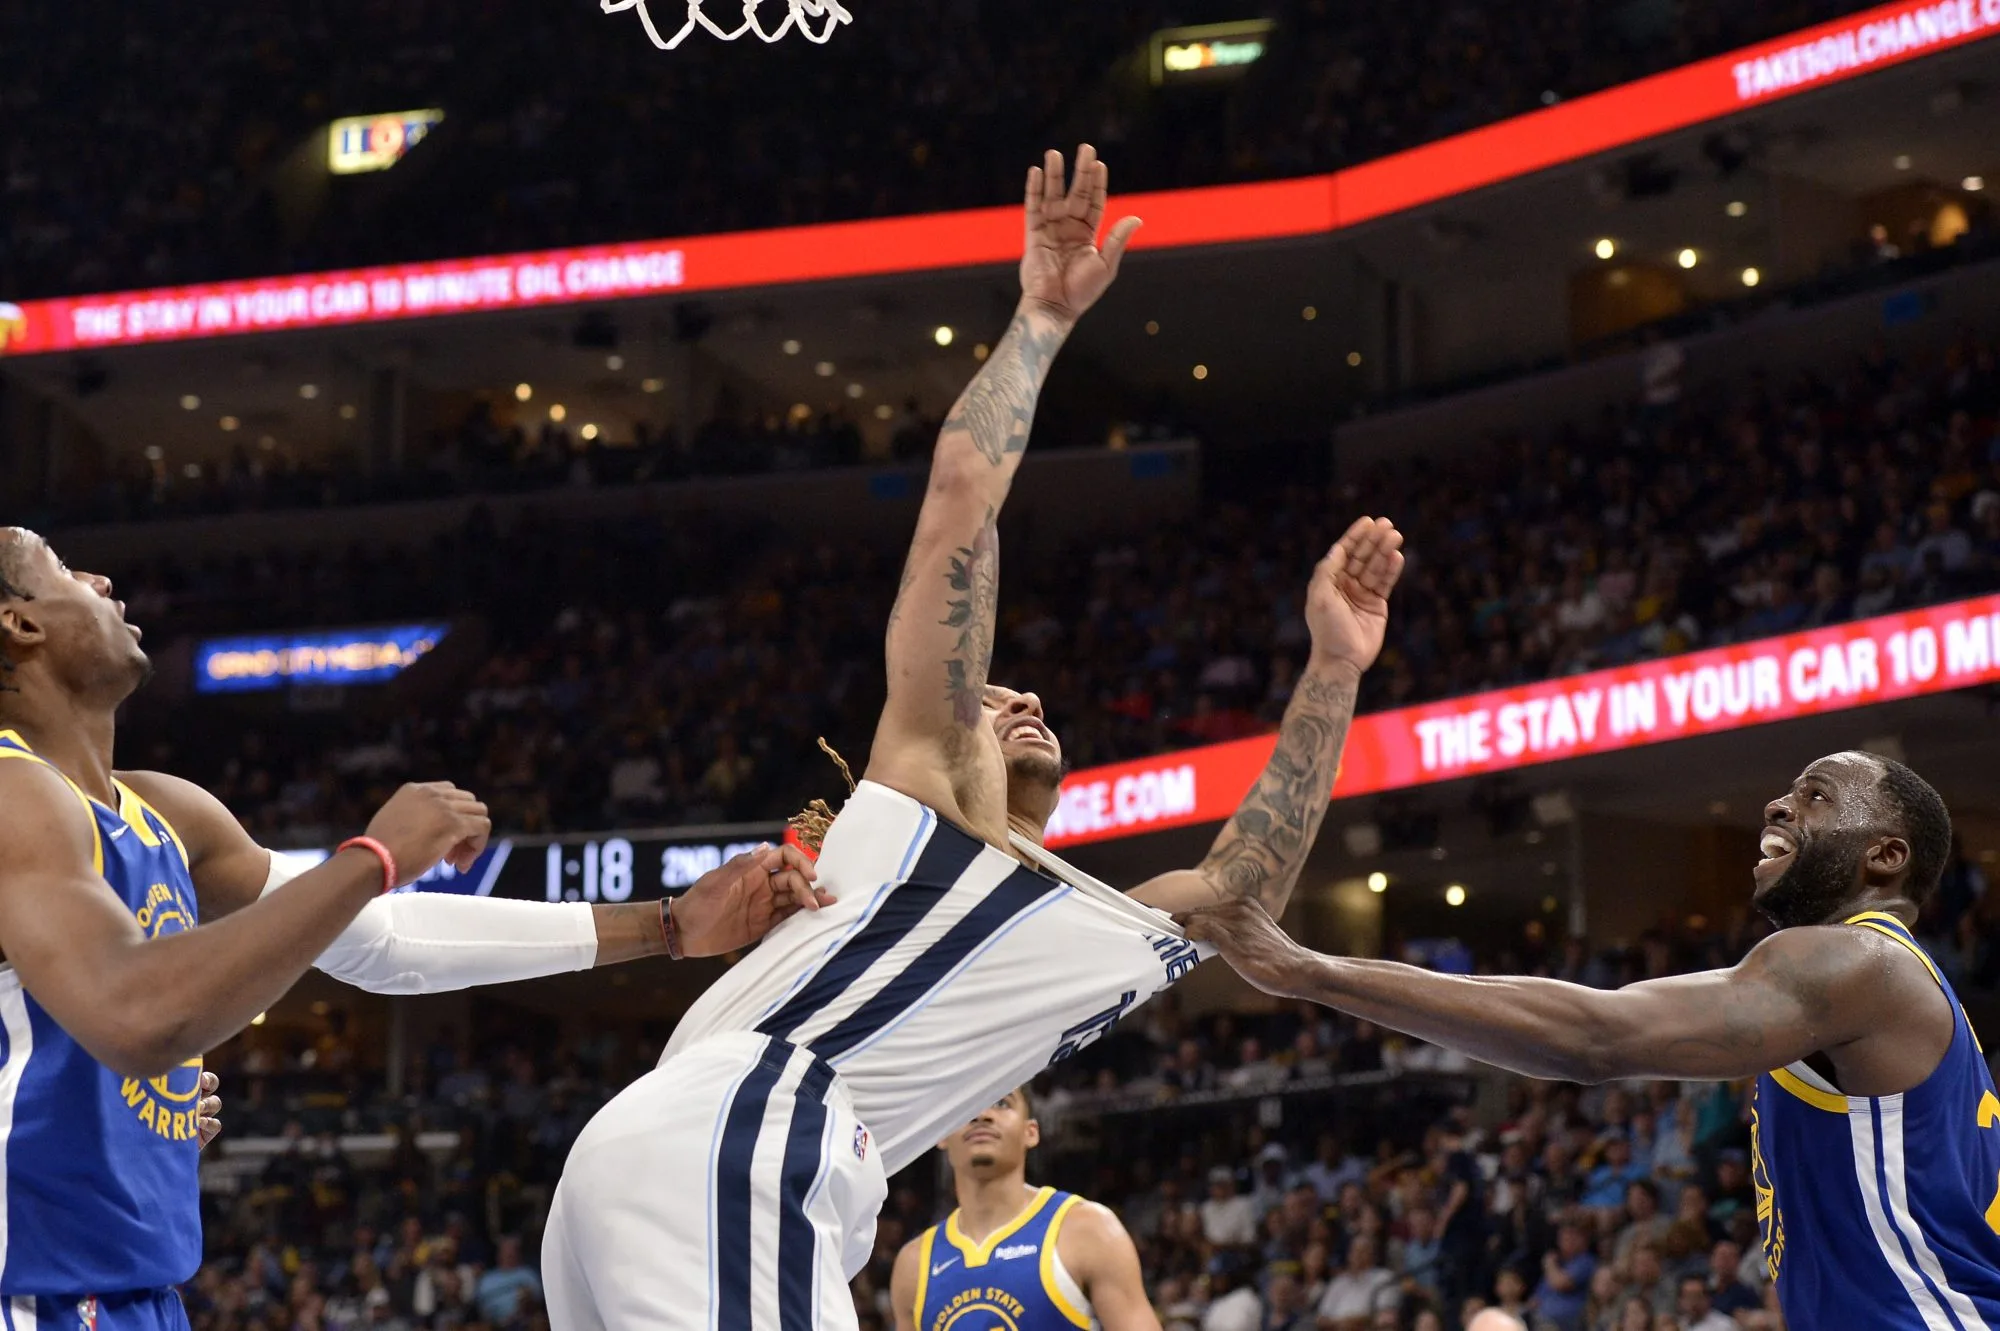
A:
x: 110, y: 993
x: 1043, y: 1259
x: 1875, y: 1131
x: 735, y: 1187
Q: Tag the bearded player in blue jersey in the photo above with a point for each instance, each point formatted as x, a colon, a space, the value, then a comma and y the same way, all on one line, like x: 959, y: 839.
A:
x: 1876, y: 1130
x: 117, y: 970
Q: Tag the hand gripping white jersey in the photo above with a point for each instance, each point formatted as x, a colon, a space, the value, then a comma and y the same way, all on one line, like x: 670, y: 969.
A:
x: 735, y: 1186
x: 946, y: 974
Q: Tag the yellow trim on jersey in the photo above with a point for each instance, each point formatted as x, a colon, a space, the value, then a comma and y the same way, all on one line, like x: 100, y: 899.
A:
x: 133, y: 808
x: 1049, y: 1286
x: 977, y: 1253
x: 130, y: 808
x: 923, y: 1274
x: 1812, y: 1095
x: 1869, y: 921
x: 90, y: 806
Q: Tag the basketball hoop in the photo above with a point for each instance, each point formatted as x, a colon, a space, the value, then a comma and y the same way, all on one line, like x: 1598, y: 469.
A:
x: 798, y: 13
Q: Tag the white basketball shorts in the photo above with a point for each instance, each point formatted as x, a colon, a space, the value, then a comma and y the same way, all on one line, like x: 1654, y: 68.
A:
x: 729, y: 1189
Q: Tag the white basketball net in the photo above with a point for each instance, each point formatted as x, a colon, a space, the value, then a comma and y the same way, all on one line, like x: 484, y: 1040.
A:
x: 802, y: 14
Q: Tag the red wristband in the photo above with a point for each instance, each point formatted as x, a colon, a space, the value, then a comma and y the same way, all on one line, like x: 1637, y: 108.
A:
x: 380, y: 852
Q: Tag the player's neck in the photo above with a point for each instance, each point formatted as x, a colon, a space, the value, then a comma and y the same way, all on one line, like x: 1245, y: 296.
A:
x: 986, y: 1204
x: 1883, y: 901
x: 73, y: 735
x: 1027, y: 826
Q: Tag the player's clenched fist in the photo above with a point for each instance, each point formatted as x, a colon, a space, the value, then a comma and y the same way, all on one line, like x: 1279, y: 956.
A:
x: 733, y: 906
x: 428, y: 822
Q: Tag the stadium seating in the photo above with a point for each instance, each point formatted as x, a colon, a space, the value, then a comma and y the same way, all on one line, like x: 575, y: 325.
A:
x: 134, y: 181
x: 658, y: 676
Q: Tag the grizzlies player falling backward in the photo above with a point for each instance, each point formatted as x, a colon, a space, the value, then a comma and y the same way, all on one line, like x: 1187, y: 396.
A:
x: 735, y: 1187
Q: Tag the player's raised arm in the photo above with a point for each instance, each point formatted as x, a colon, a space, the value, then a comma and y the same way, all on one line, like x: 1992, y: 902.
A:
x: 1799, y: 992
x: 1264, y: 845
x: 144, y: 1006
x: 940, y: 639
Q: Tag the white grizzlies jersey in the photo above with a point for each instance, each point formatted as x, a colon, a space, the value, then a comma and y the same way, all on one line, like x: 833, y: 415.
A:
x: 946, y: 974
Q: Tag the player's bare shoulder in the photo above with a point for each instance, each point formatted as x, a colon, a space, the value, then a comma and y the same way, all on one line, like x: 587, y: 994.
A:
x: 39, y: 809
x: 964, y: 779
x: 1091, y: 1231
x: 1884, y: 1012
x: 1827, y: 967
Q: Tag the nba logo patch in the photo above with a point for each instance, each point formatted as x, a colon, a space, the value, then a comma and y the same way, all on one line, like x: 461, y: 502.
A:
x: 861, y: 1143
x: 86, y: 1312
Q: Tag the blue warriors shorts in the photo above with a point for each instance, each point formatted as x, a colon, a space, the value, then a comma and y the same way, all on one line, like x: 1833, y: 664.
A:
x: 146, y: 1310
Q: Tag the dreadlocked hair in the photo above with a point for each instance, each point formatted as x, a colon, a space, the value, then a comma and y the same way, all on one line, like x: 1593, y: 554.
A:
x: 812, y: 821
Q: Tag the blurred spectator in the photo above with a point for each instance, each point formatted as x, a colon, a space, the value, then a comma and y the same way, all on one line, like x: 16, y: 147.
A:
x: 1362, y: 1289
x: 1566, y: 1274
x: 511, y: 1290
x: 1233, y: 1303
x: 1697, y: 1309
x: 1228, y: 1218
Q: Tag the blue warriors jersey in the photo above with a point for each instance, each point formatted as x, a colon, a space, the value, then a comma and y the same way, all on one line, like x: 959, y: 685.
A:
x: 1010, y: 1281
x: 98, y: 1189
x: 1883, y: 1211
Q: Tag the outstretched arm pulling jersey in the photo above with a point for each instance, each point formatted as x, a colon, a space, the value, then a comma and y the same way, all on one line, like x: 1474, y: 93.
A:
x: 931, y: 743
x: 1262, y: 848
x: 426, y: 943
x: 1801, y: 991
x: 1852, y: 992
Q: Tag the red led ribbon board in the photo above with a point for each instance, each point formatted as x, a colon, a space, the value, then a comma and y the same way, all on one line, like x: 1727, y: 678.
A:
x: 1224, y: 214
x: 1725, y: 688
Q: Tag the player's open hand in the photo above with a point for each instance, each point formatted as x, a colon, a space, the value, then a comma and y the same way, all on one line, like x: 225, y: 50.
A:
x: 732, y: 907
x: 208, y: 1110
x: 1062, y: 268
x: 1246, y: 936
x: 1347, y: 603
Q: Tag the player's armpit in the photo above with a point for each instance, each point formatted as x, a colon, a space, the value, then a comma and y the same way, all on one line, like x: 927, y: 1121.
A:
x: 903, y: 1285
x: 1102, y: 1258
x: 229, y: 868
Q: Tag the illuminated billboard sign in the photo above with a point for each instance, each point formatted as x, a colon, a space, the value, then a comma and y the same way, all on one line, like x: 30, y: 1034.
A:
x: 1703, y: 693
x: 1224, y: 214
x: 1209, y: 53
x: 274, y: 661
x: 620, y: 866
x: 376, y: 143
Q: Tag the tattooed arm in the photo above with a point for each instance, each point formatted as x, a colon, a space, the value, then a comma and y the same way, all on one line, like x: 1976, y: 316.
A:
x: 1263, y: 847
x: 940, y: 640
x: 1850, y: 993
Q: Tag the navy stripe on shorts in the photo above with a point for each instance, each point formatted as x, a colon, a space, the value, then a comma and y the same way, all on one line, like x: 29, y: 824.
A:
x: 743, y: 1125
